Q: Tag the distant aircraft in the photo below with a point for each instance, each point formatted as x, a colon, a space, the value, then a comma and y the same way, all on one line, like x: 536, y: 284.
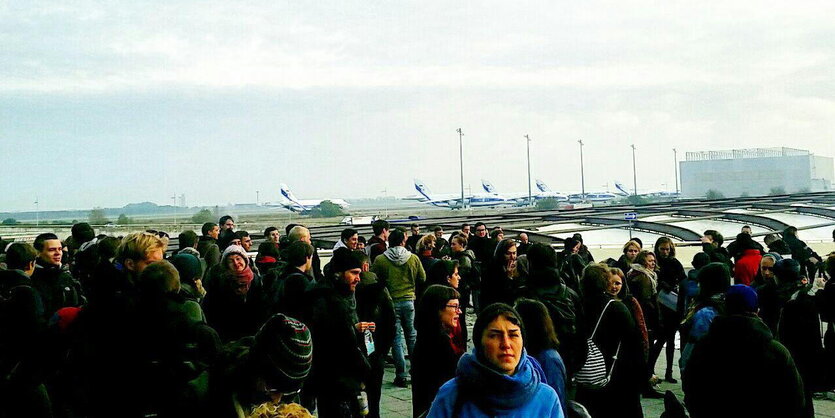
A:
x: 297, y: 205
x: 652, y: 193
x: 454, y: 201
x: 522, y: 197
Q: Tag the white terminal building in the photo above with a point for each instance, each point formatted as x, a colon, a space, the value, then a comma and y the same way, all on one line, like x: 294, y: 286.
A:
x: 755, y: 171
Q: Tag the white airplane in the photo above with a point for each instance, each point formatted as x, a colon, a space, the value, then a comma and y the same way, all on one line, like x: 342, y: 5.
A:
x: 594, y: 197
x: 297, y: 205
x: 454, y: 202
x: 652, y: 193
x: 522, y: 197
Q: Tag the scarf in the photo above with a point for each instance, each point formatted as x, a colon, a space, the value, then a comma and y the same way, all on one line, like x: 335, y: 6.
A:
x: 243, y: 280
x: 653, y: 277
x: 497, y: 393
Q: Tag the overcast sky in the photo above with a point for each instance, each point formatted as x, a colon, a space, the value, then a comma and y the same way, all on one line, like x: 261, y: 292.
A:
x: 107, y: 103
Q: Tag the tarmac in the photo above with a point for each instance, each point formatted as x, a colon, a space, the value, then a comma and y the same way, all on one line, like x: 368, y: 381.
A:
x: 397, y: 402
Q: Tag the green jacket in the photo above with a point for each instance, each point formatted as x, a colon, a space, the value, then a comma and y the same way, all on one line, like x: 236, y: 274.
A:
x: 400, y: 270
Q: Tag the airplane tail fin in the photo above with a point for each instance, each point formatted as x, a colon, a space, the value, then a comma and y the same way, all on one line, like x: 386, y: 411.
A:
x: 542, y: 186
x: 285, y: 191
x: 487, y: 186
x: 621, y: 188
x: 422, y: 189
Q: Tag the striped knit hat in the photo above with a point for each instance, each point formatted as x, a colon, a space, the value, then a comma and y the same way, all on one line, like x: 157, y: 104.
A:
x: 286, y: 352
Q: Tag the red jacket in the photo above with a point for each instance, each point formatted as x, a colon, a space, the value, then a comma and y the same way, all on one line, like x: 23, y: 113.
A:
x: 747, y: 266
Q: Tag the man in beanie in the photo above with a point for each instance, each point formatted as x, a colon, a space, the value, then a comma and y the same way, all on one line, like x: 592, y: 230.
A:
x: 765, y: 379
x: 191, y: 276
x: 341, y: 342
x: 271, y: 366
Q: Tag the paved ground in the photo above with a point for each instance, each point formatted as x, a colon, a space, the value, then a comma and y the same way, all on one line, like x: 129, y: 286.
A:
x: 396, y: 401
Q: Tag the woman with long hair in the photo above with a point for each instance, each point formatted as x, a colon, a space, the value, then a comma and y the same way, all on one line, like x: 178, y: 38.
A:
x: 499, y: 279
x: 542, y: 344
x: 497, y: 377
x: 436, y: 355
x: 621, y: 293
x: 642, y: 280
x: 670, y: 274
x: 615, y: 335
x: 630, y: 251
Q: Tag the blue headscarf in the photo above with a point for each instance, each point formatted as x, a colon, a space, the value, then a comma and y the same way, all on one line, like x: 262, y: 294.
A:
x: 496, y: 393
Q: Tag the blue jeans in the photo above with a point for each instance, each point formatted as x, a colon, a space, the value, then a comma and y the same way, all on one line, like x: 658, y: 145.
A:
x: 405, y: 312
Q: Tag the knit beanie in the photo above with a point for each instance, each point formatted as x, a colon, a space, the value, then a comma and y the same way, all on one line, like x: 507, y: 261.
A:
x: 188, y: 266
x: 787, y: 270
x: 740, y: 299
x: 343, y: 261
x: 234, y: 249
x: 284, y: 353
x: 713, y: 278
x: 775, y: 256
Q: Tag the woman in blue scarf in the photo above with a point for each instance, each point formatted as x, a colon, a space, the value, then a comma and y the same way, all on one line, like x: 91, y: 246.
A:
x: 497, y: 378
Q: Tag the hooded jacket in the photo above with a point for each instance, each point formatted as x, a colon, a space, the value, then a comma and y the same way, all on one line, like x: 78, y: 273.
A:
x: 479, y: 391
x: 747, y: 266
x: 765, y: 379
x: 401, y: 271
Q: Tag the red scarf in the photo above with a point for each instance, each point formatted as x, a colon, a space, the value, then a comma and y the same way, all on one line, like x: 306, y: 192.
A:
x: 456, y: 340
x: 243, y: 279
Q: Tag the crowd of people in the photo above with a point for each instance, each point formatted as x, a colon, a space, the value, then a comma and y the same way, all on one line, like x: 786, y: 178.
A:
x: 102, y: 326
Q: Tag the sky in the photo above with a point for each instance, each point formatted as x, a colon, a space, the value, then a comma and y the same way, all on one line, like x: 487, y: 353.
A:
x: 108, y: 103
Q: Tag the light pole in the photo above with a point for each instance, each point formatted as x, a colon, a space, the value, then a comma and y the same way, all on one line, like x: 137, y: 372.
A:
x: 461, y: 163
x: 675, y: 166
x: 174, y: 201
x: 257, y: 198
x: 530, y: 199
x: 582, y: 176
x: 634, y: 173
x: 37, y: 213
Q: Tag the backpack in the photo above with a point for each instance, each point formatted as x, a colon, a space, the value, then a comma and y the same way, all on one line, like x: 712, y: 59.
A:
x: 473, y: 278
x: 564, y: 315
x: 593, y: 374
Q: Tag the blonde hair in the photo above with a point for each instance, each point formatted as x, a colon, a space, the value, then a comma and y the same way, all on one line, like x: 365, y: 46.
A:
x: 271, y: 410
x: 138, y: 245
x: 631, y: 243
x: 426, y: 242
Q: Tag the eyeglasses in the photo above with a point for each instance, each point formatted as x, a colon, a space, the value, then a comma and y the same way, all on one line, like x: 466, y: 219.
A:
x: 270, y: 391
x: 767, y: 268
x: 455, y: 307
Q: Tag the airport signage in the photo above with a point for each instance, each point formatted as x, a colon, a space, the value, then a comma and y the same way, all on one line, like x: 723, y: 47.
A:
x: 630, y: 216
